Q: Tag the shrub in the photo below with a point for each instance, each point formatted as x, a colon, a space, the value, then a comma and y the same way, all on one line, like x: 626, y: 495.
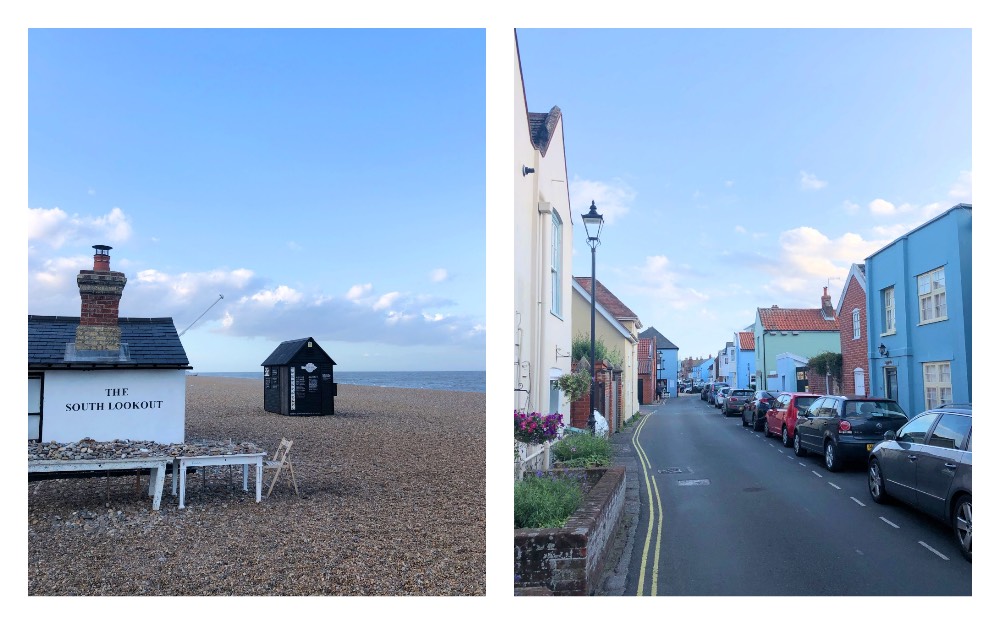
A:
x: 545, y: 502
x: 582, y: 450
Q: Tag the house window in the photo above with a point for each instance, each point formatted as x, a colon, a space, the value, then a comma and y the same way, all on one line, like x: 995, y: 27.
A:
x: 889, y: 307
x: 931, y: 294
x: 556, y: 264
x: 856, y: 320
x: 35, y: 408
x: 937, y: 384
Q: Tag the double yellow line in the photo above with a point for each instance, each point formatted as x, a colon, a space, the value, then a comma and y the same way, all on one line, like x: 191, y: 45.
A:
x: 651, y: 488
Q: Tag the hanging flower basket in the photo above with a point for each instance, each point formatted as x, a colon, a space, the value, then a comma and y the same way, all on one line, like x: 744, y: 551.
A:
x: 534, y: 428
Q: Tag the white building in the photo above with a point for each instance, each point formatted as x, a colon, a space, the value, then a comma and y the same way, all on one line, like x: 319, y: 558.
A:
x: 543, y: 236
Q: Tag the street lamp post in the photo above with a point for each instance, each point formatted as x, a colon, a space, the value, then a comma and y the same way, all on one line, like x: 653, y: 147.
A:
x: 594, y: 223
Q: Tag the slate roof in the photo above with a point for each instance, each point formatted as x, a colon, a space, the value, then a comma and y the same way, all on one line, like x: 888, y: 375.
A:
x: 662, y: 342
x: 794, y: 319
x: 746, y: 341
x: 610, y: 302
x: 541, y: 126
x: 287, y: 351
x: 152, y: 343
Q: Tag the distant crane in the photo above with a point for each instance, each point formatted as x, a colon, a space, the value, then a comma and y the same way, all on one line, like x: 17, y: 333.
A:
x: 199, y: 318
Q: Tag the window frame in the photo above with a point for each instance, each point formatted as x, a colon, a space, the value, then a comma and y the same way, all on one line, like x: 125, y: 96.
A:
x: 937, y: 291
x: 856, y: 323
x: 937, y: 385
x: 888, y: 310
x: 555, y: 265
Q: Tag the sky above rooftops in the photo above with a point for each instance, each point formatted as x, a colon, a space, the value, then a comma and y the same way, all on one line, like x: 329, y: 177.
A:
x: 327, y: 183
x: 739, y: 169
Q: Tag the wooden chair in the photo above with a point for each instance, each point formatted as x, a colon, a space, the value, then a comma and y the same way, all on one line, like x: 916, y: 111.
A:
x: 280, y: 461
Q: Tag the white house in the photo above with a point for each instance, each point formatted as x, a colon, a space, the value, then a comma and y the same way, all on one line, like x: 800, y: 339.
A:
x: 543, y: 237
x: 103, y: 377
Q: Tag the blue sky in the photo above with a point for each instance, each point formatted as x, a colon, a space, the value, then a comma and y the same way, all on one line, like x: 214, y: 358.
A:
x: 744, y: 168
x: 327, y: 183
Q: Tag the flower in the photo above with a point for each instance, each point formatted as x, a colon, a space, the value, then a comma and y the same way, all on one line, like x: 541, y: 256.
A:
x: 534, y: 428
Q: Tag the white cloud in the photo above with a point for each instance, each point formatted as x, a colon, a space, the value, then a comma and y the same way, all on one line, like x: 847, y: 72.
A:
x: 271, y: 298
x: 740, y: 229
x: 358, y: 291
x: 658, y: 280
x: 810, y: 182
x: 54, y: 228
x: 881, y: 207
x: 850, y: 207
x: 439, y: 275
x: 961, y: 190
x: 385, y: 301
x: 612, y: 199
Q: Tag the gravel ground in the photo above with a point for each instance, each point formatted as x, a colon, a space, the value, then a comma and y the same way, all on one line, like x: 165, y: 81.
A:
x: 392, y: 502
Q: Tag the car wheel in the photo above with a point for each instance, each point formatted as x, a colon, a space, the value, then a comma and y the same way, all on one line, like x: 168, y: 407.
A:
x: 767, y: 432
x: 830, y: 457
x: 743, y: 419
x: 797, y: 445
x: 786, y: 440
x: 961, y: 520
x: 759, y: 424
x: 876, y: 486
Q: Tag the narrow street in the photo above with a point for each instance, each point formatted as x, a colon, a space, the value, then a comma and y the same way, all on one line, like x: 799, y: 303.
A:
x: 726, y: 512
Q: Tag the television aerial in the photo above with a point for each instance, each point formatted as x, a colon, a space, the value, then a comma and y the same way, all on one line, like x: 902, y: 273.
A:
x: 199, y: 317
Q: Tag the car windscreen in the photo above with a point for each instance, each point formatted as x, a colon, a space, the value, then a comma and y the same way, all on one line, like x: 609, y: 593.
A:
x: 804, y: 402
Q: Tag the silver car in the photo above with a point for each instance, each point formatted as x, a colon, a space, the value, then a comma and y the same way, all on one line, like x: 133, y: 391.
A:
x: 928, y: 464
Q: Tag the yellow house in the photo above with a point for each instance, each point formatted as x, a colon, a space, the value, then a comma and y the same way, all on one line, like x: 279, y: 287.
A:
x: 617, y: 326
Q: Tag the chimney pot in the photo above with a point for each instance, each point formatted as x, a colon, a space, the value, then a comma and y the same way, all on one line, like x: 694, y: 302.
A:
x: 102, y: 261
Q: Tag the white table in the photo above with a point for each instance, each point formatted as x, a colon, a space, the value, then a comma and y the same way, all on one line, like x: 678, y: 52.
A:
x: 181, y: 464
x: 157, y: 467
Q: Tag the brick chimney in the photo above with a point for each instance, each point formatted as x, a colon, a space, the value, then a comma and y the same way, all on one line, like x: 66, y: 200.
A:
x: 100, y: 291
x: 827, y: 306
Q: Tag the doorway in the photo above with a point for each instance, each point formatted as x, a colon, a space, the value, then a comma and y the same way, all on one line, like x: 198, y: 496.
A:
x: 891, y: 386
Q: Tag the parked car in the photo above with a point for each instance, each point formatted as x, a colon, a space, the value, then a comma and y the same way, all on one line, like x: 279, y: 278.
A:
x: 697, y: 386
x: 755, y: 409
x: 720, y: 396
x: 784, y: 413
x: 712, y: 389
x: 927, y: 463
x: 844, y: 429
x: 736, y: 400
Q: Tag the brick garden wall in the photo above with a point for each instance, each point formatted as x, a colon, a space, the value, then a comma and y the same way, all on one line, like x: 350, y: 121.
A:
x: 569, y: 561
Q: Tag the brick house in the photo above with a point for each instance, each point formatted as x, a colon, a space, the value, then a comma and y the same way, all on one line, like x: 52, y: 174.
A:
x: 647, y: 371
x: 852, y: 317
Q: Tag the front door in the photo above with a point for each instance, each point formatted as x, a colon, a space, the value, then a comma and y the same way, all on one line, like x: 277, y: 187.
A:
x: 891, y: 387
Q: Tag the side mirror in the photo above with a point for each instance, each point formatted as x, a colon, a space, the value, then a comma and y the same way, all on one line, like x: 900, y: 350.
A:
x: 889, y: 435
x: 803, y: 412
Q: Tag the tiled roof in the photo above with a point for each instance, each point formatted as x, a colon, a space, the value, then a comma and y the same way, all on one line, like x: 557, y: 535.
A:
x: 610, y: 302
x: 286, y: 352
x: 644, y: 348
x: 662, y: 342
x: 746, y: 341
x: 152, y: 342
x: 541, y: 126
x: 792, y: 319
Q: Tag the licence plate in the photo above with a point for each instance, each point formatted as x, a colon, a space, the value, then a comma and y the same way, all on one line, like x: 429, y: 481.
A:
x: 870, y: 446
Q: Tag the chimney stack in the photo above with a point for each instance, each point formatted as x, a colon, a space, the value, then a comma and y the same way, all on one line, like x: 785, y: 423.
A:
x: 828, y: 312
x: 100, y: 292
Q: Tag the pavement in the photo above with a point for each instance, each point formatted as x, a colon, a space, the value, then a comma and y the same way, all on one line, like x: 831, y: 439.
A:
x: 613, y: 580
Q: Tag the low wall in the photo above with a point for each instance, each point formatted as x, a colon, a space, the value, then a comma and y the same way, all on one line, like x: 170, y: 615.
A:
x: 568, y: 561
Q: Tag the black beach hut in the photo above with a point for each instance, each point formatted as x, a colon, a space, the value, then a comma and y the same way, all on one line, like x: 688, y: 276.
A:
x: 298, y: 379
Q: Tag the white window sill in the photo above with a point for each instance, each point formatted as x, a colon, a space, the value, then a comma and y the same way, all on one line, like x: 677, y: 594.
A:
x: 932, y: 321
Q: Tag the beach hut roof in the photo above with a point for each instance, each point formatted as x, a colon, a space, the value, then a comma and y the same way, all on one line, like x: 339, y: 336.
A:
x: 152, y: 343
x: 286, y: 352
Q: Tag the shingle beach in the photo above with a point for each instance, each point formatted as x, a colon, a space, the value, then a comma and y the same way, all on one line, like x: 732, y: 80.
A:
x: 392, y: 502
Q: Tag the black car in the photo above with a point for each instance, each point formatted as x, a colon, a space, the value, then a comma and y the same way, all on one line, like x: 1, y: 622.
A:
x: 844, y: 429
x: 755, y: 410
x: 927, y: 464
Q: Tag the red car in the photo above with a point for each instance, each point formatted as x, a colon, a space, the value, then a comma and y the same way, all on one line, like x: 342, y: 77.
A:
x: 783, y: 414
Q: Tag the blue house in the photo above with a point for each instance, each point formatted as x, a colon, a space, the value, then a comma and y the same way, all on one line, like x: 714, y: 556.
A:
x: 742, y: 374
x: 706, y: 370
x: 666, y: 359
x: 919, y: 303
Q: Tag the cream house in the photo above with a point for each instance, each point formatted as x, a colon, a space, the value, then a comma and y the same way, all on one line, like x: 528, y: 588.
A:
x: 543, y: 237
x: 617, y: 326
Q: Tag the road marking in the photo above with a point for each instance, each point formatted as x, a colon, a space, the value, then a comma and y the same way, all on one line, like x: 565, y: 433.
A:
x: 817, y: 474
x: 858, y: 502
x: 934, y: 551
x: 832, y: 484
x: 790, y: 457
x: 895, y: 526
x: 803, y: 465
x: 646, y: 466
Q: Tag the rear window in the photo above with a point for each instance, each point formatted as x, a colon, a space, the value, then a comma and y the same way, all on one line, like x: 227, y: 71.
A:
x: 804, y: 402
x: 873, y: 409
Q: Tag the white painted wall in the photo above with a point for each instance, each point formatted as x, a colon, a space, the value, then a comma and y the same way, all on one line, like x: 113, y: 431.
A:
x: 114, y: 404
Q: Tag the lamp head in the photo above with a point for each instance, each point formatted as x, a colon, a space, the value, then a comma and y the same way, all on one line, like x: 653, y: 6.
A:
x: 593, y: 221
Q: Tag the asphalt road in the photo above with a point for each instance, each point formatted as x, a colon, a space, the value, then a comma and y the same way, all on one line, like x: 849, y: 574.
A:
x: 735, y: 514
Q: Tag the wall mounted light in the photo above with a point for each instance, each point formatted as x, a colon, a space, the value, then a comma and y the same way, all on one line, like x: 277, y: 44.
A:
x: 525, y: 170
x: 883, y: 351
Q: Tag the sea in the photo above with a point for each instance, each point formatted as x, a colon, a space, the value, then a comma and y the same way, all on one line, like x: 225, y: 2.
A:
x: 456, y: 381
